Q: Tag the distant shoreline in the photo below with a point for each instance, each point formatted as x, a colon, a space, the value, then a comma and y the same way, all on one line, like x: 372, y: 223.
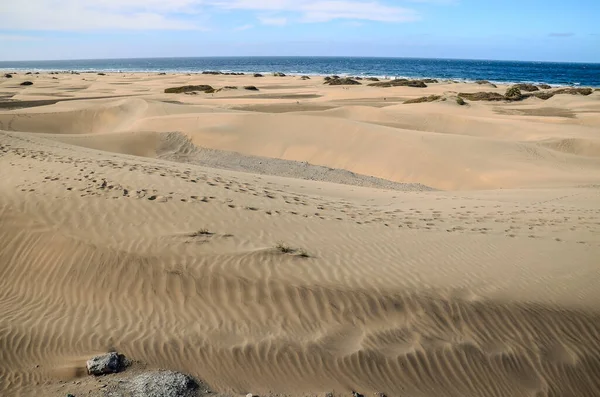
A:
x: 497, y: 72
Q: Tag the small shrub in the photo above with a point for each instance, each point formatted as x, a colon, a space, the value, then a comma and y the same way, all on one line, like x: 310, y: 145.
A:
x: 513, y: 92
x: 284, y: 248
x: 422, y: 99
x: 201, y: 232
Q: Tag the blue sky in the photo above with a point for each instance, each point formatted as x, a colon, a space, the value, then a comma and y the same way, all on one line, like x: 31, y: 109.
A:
x: 541, y: 30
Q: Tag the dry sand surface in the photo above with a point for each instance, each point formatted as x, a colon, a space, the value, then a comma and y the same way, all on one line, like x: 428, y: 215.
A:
x: 436, y: 249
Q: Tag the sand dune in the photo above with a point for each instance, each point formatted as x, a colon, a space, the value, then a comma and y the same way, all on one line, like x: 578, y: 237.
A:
x: 152, y: 227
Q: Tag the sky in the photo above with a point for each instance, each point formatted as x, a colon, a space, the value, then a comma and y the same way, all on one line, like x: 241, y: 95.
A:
x: 529, y: 30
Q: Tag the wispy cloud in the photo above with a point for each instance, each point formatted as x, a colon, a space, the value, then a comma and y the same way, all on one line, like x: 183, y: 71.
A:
x: 77, y: 15
x: 244, y: 27
x: 274, y: 21
x: 559, y: 34
x: 17, y: 37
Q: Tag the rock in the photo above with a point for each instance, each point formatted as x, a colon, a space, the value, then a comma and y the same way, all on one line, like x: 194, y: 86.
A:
x: 162, y: 74
x: 482, y: 82
x: 372, y: 79
x: 460, y: 101
x: 189, y: 88
x: 344, y: 81
x: 327, y: 78
x: 400, y: 83
x: 544, y: 87
x: 27, y: 83
x: 429, y: 81
x: 249, y: 395
x: 304, y: 78
x: 335, y: 77
x: 161, y: 384
x: 250, y: 88
x: 8, y: 76
x: 514, y: 93
x: 28, y: 73
x: 101, y: 74
x: 358, y: 78
x: 211, y: 72
x: 429, y: 98
x: 108, y: 363
x: 70, y: 395
x: 574, y: 91
x: 278, y: 74
x: 527, y: 87
x: 258, y: 75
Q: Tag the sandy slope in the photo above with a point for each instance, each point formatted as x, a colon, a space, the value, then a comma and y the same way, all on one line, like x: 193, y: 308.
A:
x: 470, y: 290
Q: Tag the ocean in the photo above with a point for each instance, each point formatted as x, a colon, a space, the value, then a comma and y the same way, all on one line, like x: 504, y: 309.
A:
x: 553, y: 73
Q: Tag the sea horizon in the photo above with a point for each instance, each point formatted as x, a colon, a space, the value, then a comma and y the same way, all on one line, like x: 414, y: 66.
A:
x: 467, y: 70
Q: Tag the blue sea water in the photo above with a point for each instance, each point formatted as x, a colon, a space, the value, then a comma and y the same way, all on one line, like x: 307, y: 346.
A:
x: 554, y: 73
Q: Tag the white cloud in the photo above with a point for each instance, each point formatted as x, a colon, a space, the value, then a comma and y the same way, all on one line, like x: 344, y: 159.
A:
x: 78, y: 15
x: 244, y: 27
x: 323, y: 11
x: 274, y: 21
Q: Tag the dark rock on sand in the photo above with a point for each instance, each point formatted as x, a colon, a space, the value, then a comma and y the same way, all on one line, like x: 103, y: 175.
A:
x: 279, y: 74
x: 162, y: 74
x: 101, y: 74
x: 304, y: 78
x: 108, y: 363
x: 574, y: 91
x: 161, y: 384
x: 400, y: 83
x: 189, y: 88
x: 482, y: 96
x: 514, y: 93
x: 28, y: 73
x: 27, y: 83
x: 372, y: 79
x: 258, y: 75
x: 544, y: 87
x: 429, y: 98
x: 358, y: 78
x: 250, y: 88
x: 460, y: 101
x: 327, y: 78
x: 429, y: 81
x: 8, y: 76
x: 335, y: 77
x: 211, y: 72
x: 344, y: 81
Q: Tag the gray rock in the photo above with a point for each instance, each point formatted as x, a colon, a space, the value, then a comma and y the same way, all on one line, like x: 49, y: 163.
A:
x: 108, y: 363
x: 163, y: 384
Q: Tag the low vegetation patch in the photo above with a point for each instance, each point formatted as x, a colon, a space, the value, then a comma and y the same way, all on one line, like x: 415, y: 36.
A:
x: 527, y: 87
x: 286, y: 249
x: 342, y: 81
x: 485, y: 82
x: 422, y: 99
x: 542, y: 95
x: 544, y: 87
x: 513, y: 93
x: 482, y: 96
x: 250, y: 88
x: 189, y: 88
x: 460, y: 101
x: 201, y: 232
x: 574, y: 91
x: 400, y: 83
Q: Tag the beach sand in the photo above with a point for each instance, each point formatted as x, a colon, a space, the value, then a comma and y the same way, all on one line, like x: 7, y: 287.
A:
x: 435, y: 249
